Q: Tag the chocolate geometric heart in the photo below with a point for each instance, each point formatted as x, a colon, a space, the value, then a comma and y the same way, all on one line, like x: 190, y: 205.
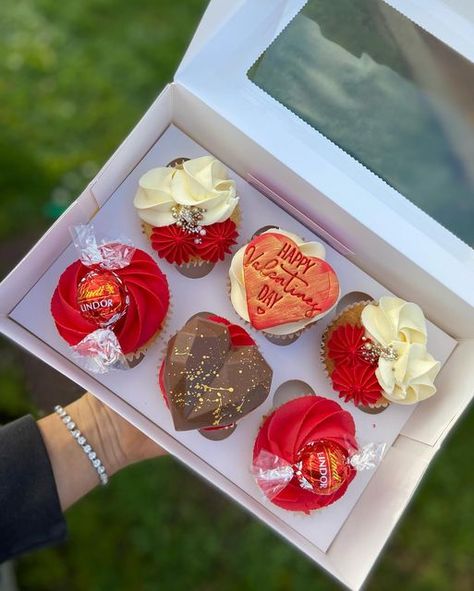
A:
x: 283, y: 285
x: 213, y: 374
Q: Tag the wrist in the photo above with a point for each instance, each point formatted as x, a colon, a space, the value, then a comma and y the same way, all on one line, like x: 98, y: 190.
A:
x: 113, y: 440
x: 94, y: 419
x: 73, y: 471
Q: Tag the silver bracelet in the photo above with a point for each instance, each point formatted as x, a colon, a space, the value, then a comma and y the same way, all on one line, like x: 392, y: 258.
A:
x: 82, y: 441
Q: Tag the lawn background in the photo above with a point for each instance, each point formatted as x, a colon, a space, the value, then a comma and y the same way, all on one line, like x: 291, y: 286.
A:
x: 74, y: 78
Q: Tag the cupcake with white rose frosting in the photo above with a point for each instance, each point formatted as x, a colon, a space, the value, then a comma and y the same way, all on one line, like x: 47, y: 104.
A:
x: 375, y: 354
x: 281, y: 284
x: 189, y: 210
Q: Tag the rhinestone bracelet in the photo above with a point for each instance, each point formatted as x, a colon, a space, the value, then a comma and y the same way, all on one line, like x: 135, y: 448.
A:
x: 82, y: 441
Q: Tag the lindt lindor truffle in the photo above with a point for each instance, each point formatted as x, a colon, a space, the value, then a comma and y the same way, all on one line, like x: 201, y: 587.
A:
x: 306, y: 454
x: 110, y: 304
x: 323, y: 466
x: 281, y: 284
x: 102, y: 297
x: 213, y: 374
x: 375, y: 353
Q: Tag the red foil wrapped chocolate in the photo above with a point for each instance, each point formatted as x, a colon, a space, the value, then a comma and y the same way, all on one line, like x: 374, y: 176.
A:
x: 286, y: 436
x: 102, y: 297
x: 323, y: 467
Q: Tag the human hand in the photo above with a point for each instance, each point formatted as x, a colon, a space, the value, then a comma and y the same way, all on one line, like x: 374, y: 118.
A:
x: 116, y: 442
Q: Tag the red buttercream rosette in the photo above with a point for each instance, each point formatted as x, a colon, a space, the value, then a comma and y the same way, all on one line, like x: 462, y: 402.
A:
x: 239, y: 337
x: 148, y: 291
x: 173, y: 244
x: 357, y: 382
x: 217, y: 241
x: 291, y: 427
x: 345, y: 343
x: 352, y: 377
x: 176, y: 245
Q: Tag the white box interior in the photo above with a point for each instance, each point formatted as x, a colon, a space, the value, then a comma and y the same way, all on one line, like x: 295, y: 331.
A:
x: 300, y: 532
x: 312, y: 184
x: 299, y: 361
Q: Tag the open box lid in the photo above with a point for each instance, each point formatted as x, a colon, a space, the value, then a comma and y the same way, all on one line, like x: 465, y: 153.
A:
x: 240, y: 66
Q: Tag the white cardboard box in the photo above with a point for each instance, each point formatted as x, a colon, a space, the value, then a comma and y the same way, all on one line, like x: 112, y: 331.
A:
x: 433, y: 268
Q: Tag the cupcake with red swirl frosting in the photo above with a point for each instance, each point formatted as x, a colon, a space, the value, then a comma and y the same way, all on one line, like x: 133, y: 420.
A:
x: 147, y: 301
x: 375, y: 353
x: 305, y: 445
x: 189, y: 211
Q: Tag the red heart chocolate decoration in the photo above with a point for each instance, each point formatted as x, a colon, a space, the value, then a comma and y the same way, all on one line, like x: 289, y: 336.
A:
x: 283, y: 285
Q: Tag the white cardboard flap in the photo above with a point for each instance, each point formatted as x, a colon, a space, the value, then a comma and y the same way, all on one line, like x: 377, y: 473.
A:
x: 431, y: 422
x: 217, y: 76
x: 464, y: 8
x: 396, y: 479
x: 138, y: 387
x: 217, y: 12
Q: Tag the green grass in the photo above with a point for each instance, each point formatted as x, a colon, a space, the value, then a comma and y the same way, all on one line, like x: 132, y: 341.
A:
x: 74, y: 79
x: 158, y: 527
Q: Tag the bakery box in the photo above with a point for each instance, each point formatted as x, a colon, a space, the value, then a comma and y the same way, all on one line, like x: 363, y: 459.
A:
x: 282, y: 94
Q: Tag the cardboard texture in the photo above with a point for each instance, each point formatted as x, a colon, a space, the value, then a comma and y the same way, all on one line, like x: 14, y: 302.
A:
x: 323, y: 193
x: 300, y: 360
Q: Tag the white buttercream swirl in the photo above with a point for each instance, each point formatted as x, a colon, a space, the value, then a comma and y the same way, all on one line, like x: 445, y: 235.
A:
x: 401, y: 325
x: 237, y: 283
x: 202, y: 182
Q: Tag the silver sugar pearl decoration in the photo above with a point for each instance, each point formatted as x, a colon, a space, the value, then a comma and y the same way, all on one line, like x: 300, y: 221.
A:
x: 372, y: 352
x: 188, y: 217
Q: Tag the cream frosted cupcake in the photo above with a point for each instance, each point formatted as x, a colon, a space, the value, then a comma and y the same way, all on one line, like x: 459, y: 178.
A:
x: 281, y: 284
x: 376, y: 353
x: 189, y: 210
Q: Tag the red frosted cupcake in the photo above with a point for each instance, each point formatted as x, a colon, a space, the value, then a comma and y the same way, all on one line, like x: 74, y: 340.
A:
x: 141, y: 302
x: 301, y: 456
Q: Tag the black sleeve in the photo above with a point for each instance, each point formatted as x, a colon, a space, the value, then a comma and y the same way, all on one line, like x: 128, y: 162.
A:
x: 30, y: 513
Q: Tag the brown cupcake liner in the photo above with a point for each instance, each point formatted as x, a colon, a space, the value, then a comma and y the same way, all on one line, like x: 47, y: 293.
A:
x: 236, y: 216
x: 135, y: 357
x: 376, y: 407
x: 284, y: 339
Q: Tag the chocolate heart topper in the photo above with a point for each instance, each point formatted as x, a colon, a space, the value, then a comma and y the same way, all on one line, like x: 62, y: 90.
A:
x: 213, y: 374
x: 283, y: 285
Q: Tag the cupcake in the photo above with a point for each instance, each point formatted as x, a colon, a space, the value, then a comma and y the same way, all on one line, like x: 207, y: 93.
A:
x: 302, y: 456
x: 189, y: 210
x: 212, y: 375
x: 126, y: 305
x: 281, y: 284
x: 375, y: 353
